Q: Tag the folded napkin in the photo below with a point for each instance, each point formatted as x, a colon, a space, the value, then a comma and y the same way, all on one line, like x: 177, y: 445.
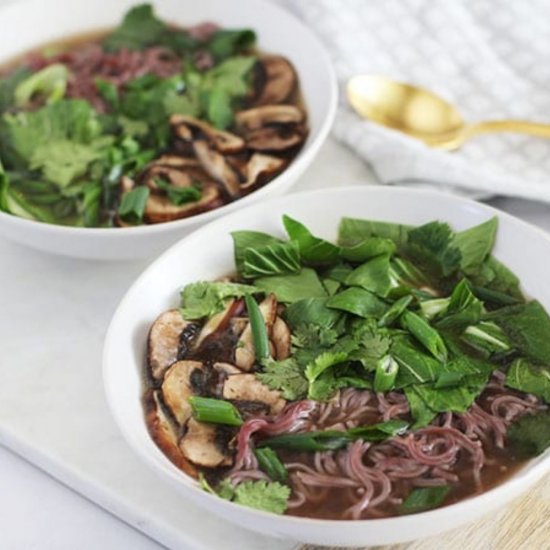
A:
x: 491, y: 58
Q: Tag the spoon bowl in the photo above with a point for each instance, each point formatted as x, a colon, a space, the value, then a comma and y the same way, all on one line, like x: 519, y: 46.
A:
x: 422, y: 114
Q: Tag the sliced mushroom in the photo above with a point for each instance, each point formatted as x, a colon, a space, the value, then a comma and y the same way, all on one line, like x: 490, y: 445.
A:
x: 163, y: 342
x: 177, y: 161
x: 164, y: 432
x: 247, y: 387
x: 272, y: 138
x: 262, y: 168
x: 280, y: 80
x: 280, y: 336
x: 199, y: 445
x: 258, y: 117
x: 217, y: 167
x: 160, y: 209
x: 216, y: 323
x: 245, y: 355
x: 186, y: 128
x: 177, y: 388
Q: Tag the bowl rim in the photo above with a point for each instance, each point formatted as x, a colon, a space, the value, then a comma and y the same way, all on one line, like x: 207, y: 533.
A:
x: 516, y: 485
x: 310, y: 148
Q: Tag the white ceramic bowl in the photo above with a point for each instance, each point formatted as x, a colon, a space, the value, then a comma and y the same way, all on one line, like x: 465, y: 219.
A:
x: 208, y: 254
x: 32, y: 23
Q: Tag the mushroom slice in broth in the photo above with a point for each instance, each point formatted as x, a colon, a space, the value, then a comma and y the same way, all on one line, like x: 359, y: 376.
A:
x: 247, y: 387
x: 262, y: 168
x: 201, y: 445
x: 164, y: 432
x: 280, y: 337
x: 177, y: 388
x: 279, y: 77
x: 163, y: 342
x: 159, y: 208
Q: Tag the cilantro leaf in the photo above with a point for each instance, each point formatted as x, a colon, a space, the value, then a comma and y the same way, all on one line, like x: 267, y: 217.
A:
x: 286, y: 376
x: 139, y: 28
x: 263, y: 495
x: 180, y: 195
x: 206, y: 298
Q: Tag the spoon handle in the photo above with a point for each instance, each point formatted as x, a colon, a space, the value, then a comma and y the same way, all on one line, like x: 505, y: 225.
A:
x: 517, y: 126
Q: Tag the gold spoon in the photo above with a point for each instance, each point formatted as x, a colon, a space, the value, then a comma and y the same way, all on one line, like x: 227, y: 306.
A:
x: 424, y: 115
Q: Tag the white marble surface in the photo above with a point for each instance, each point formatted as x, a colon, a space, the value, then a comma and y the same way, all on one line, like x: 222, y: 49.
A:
x: 52, y: 410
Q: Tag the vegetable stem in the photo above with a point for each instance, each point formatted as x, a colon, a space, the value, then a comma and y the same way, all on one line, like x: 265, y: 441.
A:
x: 215, y: 411
x: 259, y: 330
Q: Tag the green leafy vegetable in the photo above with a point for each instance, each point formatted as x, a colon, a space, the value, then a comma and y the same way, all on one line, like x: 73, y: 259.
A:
x: 530, y: 435
x: 527, y: 326
x: 132, y: 205
x: 395, y: 311
x: 352, y: 232
x: 8, y: 84
x: 486, y: 337
x: 323, y: 362
x: 259, y: 330
x: 420, y: 411
x: 292, y: 288
x: 22, y: 134
x: 359, y: 302
x: 271, y: 464
x: 424, y: 498
x: 139, y: 28
x: 206, y: 298
x: 425, y: 334
x: 226, y: 42
x: 214, y: 411
x: 525, y: 376
x: 243, y: 240
x: 49, y: 84
x: 462, y: 310
x: 271, y: 259
x: 475, y: 244
x: 313, y: 250
x: 286, y: 376
x: 373, y: 275
x: 367, y: 249
x: 311, y: 311
x: 415, y: 366
x: 432, y: 246
x: 496, y: 276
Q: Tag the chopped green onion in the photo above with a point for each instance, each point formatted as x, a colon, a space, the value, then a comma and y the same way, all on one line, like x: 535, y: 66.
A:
x: 331, y: 440
x: 215, y: 411
x: 132, y: 205
x: 386, y: 373
x: 395, y: 311
x: 271, y: 464
x: 425, y: 334
x: 259, y: 330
